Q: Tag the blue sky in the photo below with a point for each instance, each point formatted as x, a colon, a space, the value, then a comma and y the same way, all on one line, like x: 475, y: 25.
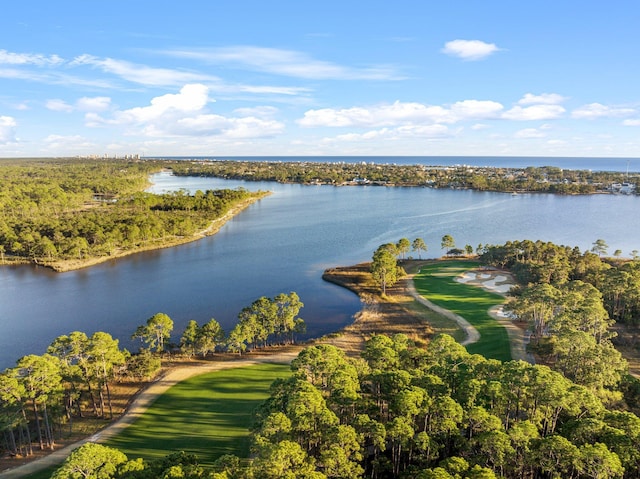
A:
x: 543, y: 78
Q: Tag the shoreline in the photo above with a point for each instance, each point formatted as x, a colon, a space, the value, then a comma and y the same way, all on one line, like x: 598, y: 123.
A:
x: 74, y: 265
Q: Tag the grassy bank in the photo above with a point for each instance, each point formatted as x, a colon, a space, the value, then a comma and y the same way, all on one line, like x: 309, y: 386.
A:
x: 436, y: 282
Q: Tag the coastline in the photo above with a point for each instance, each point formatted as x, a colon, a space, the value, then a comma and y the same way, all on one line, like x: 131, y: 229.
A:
x: 73, y: 265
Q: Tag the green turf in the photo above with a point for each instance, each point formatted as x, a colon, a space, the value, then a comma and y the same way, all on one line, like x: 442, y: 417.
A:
x: 207, y: 415
x: 436, y: 282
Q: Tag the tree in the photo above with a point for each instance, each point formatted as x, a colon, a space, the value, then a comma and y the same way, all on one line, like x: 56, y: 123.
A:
x: 447, y: 242
x: 156, y: 332
x: 91, y: 461
x: 105, y: 357
x: 209, y: 336
x: 41, y: 379
x: 419, y: 245
x: 384, y: 267
x: 189, y: 338
x: 285, y: 459
x: 288, y: 306
x: 597, y: 461
x: 403, y: 247
x: 600, y: 247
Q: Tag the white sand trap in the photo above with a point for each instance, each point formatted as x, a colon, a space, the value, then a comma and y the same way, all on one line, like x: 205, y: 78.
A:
x: 500, y: 288
x: 466, y: 277
x: 486, y: 281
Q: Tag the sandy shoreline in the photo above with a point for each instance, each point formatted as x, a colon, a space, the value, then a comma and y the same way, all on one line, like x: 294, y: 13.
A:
x: 72, y: 265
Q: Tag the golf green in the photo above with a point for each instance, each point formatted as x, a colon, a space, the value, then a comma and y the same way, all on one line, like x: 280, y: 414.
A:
x: 436, y: 282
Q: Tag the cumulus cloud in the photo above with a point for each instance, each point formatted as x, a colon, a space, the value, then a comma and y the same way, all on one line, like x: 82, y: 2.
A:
x: 598, y: 110
x: 286, y: 63
x: 7, y: 130
x: 382, y: 115
x: 469, y: 49
x: 58, y: 105
x: 535, y: 112
x: 185, y: 114
x: 399, y: 113
x: 97, y: 103
x: 474, y: 109
x: 542, y: 99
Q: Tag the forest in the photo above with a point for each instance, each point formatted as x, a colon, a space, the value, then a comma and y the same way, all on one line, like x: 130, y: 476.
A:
x: 57, y: 211
x: 402, y: 411
x: 546, y: 179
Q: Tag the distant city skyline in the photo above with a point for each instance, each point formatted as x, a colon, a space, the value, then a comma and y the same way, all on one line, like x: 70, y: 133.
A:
x: 243, y: 78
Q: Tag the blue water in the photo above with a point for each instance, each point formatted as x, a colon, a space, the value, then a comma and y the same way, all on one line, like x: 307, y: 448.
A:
x: 283, y: 243
x: 594, y: 164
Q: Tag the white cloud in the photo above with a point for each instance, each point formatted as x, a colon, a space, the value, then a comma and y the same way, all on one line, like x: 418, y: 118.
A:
x: 479, y: 126
x: 382, y: 115
x: 58, y: 105
x: 402, y: 113
x: 635, y: 122
x: 529, y: 133
x: 598, y: 110
x: 192, y: 98
x: 472, y: 109
x: 542, y: 99
x: 286, y: 63
x: 469, y: 49
x: 10, y: 58
x: 7, y: 130
x: 535, y: 112
x: 184, y: 114
x: 97, y: 103
x: 142, y: 74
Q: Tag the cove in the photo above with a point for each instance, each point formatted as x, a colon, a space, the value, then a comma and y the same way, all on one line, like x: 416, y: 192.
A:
x: 283, y: 243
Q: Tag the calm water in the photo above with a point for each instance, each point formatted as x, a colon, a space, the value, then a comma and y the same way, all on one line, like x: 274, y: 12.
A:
x: 282, y: 244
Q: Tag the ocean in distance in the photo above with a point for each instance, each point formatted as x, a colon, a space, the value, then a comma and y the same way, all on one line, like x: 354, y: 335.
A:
x: 631, y: 165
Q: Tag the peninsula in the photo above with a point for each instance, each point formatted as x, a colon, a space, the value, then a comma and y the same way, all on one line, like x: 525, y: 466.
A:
x: 68, y: 214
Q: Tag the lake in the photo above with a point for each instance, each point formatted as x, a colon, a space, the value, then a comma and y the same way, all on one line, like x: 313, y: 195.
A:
x: 283, y: 243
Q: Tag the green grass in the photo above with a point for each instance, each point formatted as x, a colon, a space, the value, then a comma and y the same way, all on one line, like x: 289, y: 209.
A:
x: 208, y: 415
x: 436, y: 282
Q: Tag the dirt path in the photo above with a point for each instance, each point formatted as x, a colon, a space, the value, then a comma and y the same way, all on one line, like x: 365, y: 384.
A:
x: 139, y: 406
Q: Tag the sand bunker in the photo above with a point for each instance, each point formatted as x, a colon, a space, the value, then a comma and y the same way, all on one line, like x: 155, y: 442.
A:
x: 494, y: 282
